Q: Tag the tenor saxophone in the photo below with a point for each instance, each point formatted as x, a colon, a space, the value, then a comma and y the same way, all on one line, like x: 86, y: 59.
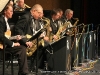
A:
x: 30, y: 51
x: 61, y: 29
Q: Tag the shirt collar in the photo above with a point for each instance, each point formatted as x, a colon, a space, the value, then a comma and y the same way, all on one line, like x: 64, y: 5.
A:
x: 6, y: 19
x: 53, y: 20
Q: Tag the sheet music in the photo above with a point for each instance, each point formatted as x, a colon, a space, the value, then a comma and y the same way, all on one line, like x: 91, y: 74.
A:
x: 3, y: 4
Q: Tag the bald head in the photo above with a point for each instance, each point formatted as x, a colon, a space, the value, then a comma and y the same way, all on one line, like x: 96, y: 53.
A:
x: 37, y: 7
x: 36, y: 11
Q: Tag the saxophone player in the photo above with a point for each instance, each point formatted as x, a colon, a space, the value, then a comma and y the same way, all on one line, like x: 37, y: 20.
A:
x: 29, y: 24
x: 69, y: 15
x: 45, y: 22
x: 61, y: 19
x: 73, y: 21
x: 20, y: 5
x: 55, y: 15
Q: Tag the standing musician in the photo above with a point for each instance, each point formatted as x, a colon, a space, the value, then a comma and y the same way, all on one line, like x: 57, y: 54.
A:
x: 30, y: 24
x: 13, y: 47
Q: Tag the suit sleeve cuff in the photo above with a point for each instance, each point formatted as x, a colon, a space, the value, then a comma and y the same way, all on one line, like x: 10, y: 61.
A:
x: 12, y: 45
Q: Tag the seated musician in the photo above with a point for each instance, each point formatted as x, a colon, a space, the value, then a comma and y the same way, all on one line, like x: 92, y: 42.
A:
x: 61, y: 19
x: 45, y: 22
x: 55, y: 15
x: 20, y: 6
x: 73, y: 21
x: 29, y: 24
x: 13, y: 47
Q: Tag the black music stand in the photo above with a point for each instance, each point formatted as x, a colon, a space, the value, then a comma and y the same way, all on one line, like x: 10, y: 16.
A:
x: 36, y: 37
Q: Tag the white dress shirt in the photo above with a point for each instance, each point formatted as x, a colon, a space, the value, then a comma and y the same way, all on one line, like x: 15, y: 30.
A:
x: 8, y: 27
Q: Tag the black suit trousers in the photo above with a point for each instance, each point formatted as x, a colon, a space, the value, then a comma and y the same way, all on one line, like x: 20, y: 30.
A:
x: 20, y: 51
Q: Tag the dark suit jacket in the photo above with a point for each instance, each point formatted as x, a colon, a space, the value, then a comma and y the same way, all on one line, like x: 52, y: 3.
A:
x: 54, y: 28
x: 24, y: 26
x: 3, y: 29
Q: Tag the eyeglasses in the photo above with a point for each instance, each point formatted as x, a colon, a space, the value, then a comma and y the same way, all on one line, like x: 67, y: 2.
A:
x: 39, y: 12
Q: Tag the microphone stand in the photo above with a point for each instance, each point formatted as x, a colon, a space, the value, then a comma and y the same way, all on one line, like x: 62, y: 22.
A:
x: 88, y: 41
x: 74, y: 41
x: 97, y: 40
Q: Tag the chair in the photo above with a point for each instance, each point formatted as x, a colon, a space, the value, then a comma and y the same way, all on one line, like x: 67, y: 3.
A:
x: 3, y: 50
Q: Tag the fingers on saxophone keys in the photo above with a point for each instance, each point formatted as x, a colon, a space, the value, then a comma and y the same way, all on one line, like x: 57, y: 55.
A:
x: 30, y: 44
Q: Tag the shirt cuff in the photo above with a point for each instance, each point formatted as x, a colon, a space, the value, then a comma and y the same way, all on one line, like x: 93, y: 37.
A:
x: 12, y: 45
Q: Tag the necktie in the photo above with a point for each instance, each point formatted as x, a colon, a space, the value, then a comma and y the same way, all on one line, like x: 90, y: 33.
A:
x: 34, y: 26
x: 55, y: 23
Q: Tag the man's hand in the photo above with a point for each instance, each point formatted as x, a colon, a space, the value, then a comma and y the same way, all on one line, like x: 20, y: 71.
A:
x: 18, y: 37
x: 16, y: 44
x: 46, y: 38
x: 29, y: 44
x: 55, y: 37
x: 50, y: 29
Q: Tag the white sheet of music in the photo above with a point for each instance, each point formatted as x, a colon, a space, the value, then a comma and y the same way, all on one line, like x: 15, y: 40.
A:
x: 3, y: 4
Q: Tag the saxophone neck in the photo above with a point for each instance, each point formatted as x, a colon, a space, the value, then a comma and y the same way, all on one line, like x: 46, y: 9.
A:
x: 76, y: 19
x: 26, y: 6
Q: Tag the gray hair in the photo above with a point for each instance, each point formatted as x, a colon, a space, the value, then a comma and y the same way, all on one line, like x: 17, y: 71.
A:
x: 68, y: 11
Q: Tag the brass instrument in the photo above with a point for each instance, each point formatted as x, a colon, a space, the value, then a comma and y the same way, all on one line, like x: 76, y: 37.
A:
x: 17, y: 8
x: 47, y: 26
x: 27, y: 6
x: 61, y: 29
x: 30, y: 51
x: 73, y: 30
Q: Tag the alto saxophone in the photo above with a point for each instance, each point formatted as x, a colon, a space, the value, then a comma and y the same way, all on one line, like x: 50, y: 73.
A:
x: 30, y: 51
x: 74, y: 30
x: 61, y: 29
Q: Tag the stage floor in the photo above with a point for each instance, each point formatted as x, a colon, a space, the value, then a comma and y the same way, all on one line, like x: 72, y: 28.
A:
x: 94, y: 71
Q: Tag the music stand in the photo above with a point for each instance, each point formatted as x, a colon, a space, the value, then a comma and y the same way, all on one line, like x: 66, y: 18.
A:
x: 35, y: 36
